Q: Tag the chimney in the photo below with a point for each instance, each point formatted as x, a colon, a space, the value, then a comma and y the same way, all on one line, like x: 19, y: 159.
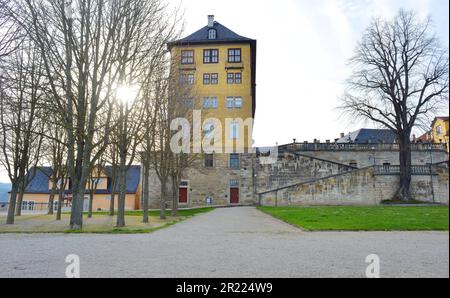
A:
x: 210, y: 21
x: 342, y: 135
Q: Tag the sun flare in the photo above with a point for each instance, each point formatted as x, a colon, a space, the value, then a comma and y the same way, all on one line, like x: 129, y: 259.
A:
x: 127, y: 93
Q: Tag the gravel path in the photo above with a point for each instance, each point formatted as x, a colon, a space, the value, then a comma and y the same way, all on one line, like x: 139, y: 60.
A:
x: 231, y: 242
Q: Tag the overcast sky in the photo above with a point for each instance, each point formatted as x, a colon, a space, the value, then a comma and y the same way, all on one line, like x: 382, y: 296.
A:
x: 303, y: 47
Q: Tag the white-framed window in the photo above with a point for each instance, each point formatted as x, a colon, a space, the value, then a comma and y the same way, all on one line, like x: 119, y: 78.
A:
x: 210, y: 103
x: 187, y: 57
x: 187, y: 79
x: 230, y: 78
x: 214, y: 78
x: 234, y: 78
x: 238, y: 102
x: 234, y: 130
x: 187, y: 103
x: 28, y: 205
x: 230, y: 102
x: 439, y: 130
x: 238, y: 78
x: 234, y: 102
x: 234, y: 55
x: 234, y: 183
x: 212, y: 34
x: 210, y: 56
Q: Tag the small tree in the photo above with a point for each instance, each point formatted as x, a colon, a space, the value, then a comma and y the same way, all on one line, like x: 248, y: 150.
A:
x: 400, y: 78
x: 21, y: 127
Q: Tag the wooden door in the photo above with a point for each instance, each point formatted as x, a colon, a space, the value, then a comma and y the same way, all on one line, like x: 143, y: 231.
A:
x: 183, y: 195
x: 234, y: 195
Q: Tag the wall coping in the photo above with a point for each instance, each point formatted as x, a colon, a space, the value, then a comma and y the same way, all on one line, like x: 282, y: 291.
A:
x: 314, y: 180
x: 361, y: 147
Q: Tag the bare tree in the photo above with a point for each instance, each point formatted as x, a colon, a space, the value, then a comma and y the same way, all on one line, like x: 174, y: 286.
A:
x: 400, y: 77
x: 21, y: 130
x: 9, y: 33
x: 62, y: 190
x: 54, y: 152
x: 112, y: 158
x: 86, y: 45
x: 94, y: 181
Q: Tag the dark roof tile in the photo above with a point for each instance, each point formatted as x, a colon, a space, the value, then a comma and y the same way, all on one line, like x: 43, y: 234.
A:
x: 372, y: 136
x: 40, y: 182
x: 201, y: 36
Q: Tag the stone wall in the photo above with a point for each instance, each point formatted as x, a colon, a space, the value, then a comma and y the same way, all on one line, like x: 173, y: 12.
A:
x: 360, y: 187
x: 313, y: 177
x: 210, y: 183
x: 378, y: 157
x: 294, y: 169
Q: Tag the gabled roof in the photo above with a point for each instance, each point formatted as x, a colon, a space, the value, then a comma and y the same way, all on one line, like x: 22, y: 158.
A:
x: 444, y: 118
x: 224, y: 35
x: 426, y: 137
x: 40, y: 182
x: 370, y: 136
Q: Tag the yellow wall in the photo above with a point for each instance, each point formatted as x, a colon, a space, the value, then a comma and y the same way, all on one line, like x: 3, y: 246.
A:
x: 102, y: 202
x: 99, y: 175
x: 443, y: 136
x: 222, y: 90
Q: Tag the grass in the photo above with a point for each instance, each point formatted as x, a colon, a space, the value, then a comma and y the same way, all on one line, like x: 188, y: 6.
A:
x: 345, y: 218
x: 100, y: 223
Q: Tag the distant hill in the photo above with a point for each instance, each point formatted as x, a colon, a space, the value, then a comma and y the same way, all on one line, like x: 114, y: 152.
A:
x: 4, y: 189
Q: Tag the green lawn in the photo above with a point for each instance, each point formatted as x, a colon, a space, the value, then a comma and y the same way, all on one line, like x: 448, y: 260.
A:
x: 383, y: 218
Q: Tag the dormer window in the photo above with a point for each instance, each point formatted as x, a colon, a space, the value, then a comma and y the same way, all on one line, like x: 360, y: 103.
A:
x: 212, y: 34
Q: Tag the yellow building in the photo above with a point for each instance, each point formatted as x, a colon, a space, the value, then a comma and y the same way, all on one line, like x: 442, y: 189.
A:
x: 440, y: 131
x: 214, y: 75
x: 218, y: 67
x: 38, y: 191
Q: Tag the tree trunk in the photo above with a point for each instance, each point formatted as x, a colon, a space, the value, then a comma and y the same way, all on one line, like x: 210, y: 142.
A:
x: 19, y: 203
x: 76, y: 216
x: 145, y: 193
x: 175, y: 189
x: 20, y: 199
x: 12, y: 205
x: 122, y: 193
x: 162, y: 203
x: 112, y: 205
x: 51, y: 199
x: 60, y: 202
x: 403, y: 192
x: 91, y: 202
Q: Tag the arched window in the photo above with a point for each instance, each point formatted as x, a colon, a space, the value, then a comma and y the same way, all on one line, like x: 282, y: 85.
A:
x: 212, y: 34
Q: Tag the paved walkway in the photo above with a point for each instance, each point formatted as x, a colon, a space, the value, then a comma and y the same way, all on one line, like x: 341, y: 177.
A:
x: 230, y: 242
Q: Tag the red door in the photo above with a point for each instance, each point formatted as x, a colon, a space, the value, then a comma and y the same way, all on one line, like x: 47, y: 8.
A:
x: 183, y: 195
x: 234, y: 195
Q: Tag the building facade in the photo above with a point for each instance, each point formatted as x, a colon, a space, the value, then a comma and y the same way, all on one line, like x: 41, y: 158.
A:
x: 218, y: 67
x: 38, y: 191
x: 440, y: 131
